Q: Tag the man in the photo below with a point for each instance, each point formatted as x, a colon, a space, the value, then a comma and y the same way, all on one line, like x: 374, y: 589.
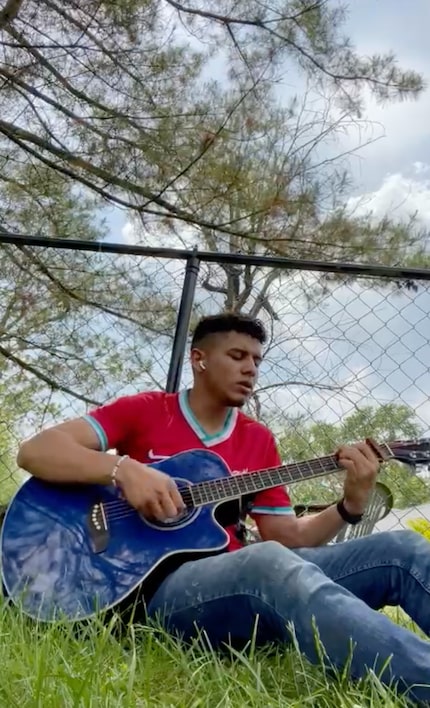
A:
x: 292, y: 579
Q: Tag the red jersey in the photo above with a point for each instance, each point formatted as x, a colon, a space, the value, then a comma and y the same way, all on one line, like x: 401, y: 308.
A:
x: 153, y: 426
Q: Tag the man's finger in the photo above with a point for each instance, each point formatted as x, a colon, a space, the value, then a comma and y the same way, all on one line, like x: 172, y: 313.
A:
x: 154, y: 510
x: 169, y: 509
x: 361, y: 454
x: 177, y: 500
x: 348, y: 452
x: 346, y: 463
x: 367, y: 452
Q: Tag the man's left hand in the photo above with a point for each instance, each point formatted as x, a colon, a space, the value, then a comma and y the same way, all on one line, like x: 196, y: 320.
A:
x: 361, y: 465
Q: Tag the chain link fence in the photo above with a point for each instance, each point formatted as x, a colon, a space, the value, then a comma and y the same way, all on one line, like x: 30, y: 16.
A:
x: 347, y: 355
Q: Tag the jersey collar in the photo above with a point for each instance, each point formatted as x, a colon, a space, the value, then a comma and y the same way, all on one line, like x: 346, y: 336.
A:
x: 206, y: 439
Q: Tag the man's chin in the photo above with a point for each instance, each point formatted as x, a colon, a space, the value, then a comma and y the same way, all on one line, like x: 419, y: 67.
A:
x: 237, y: 400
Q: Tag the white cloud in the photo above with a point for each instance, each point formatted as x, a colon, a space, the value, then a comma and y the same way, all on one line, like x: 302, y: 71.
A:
x: 155, y: 236
x: 421, y: 168
x: 398, y: 196
x: 167, y: 273
x: 322, y: 403
x: 369, y: 341
x: 402, y: 121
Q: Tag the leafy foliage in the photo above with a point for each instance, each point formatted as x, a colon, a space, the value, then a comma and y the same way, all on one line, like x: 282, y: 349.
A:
x: 176, y: 119
x: 387, y: 422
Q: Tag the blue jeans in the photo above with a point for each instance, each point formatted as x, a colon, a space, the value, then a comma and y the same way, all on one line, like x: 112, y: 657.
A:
x: 335, y: 589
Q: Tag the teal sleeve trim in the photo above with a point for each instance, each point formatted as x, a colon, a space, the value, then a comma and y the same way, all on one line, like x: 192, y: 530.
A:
x: 280, y: 510
x: 99, y: 431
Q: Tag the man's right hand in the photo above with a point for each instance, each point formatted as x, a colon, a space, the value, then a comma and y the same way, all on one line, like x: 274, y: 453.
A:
x: 151, y: 492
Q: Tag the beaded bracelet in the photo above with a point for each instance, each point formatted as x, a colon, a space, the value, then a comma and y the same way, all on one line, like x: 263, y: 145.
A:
x: 115, y: 469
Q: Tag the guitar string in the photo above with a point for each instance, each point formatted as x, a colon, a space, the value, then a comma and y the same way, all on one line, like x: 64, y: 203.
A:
x: 211, y: 485
x: 114, y: 516
x: 194, y: 496
x: 187, y: 492
x: 120, y: 508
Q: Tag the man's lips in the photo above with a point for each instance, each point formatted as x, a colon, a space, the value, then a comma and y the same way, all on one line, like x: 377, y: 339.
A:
x: 245, y: 386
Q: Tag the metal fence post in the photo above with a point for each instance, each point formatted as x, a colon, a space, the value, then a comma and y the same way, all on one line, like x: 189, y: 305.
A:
x: 183, y: 323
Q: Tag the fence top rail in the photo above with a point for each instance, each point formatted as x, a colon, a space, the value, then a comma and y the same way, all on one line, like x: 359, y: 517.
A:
x: 359, y: 269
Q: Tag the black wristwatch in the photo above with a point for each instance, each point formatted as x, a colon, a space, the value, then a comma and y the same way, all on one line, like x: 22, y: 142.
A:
x: 346, y: 516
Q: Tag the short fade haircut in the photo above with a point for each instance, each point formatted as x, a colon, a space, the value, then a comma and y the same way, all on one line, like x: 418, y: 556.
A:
x: 228, y: 322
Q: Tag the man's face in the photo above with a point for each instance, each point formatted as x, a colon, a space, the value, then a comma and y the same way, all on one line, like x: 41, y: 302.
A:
x: 231, y: 361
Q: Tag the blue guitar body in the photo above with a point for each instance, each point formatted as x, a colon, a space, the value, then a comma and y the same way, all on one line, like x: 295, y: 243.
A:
x: 70, y: 551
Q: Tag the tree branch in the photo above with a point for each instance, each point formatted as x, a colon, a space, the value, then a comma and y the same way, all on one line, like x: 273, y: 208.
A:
x: 14, y: 79
x: 46, y: 379
x: 260, y: 24
x: 80, y: 95
x: 9, y: 12
x: 20, y: 137
x: 323, y: 387
x: 86, y: 301
x: 207, y: 285
x: 85, y: 30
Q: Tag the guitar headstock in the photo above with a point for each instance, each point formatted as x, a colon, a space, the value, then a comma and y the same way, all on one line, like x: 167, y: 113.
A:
x: 410, y: 452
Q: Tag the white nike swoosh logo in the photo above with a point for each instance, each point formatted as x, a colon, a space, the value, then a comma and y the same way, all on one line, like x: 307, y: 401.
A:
x: 153, y: 456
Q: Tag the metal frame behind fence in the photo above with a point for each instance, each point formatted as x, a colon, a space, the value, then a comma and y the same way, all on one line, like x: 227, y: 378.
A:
x: 193, y: 260
x: 183, y: 323
x: 364, y: 269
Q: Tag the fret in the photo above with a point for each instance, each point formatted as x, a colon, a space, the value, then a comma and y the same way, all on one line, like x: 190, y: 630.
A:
x: 196, y: 496
x: 204, y: 493
x: 321, y: 464
x: 228, y: 488
x: 237, y: 485
x: 253, y: 484
x: 277, y: 476
x: 217, y: 493
x: 305, y: 469
x: 234, y: 484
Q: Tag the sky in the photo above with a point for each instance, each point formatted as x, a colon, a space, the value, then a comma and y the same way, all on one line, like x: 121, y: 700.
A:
x: 393, y: 172
x: 377, y: 26
x: 377, y: 344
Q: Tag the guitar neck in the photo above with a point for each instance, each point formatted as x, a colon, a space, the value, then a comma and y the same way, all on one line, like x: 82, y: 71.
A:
x: 238, y: 485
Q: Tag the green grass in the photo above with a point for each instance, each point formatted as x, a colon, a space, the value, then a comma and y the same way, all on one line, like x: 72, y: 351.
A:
x: 50, y: 665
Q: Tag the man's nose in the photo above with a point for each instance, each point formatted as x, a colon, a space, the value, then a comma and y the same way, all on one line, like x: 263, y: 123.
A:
x: 249, y: 367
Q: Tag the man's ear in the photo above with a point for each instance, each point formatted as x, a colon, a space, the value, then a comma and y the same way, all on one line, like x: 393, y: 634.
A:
x: 197, y: 358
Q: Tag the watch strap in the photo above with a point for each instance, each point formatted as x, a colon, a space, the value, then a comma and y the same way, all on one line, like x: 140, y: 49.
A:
x: 346, y: 516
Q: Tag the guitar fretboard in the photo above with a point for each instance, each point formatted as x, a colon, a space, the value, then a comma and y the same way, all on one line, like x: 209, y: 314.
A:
x: 237, y: 485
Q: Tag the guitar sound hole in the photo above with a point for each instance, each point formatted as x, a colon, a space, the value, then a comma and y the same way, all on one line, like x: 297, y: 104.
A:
x: 182, y: 519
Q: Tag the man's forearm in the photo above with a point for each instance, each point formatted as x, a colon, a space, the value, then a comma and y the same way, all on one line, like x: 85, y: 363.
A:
x: 318, y: 529
x: 55, y: 457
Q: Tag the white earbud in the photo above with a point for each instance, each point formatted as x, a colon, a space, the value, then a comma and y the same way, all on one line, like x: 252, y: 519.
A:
x: 202, y: 366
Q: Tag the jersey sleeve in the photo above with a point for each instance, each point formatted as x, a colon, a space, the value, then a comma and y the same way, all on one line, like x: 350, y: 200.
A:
x: 115, y: 422
x: 275, y: 500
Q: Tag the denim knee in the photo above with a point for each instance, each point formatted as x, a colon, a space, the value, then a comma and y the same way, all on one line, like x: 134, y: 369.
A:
x: 273, y: 571
x: 267, y: 558
x: 265, y: 564
x: 402, y: 545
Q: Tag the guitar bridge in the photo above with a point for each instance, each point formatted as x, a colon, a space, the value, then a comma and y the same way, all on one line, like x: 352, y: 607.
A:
x: 98, y: 528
